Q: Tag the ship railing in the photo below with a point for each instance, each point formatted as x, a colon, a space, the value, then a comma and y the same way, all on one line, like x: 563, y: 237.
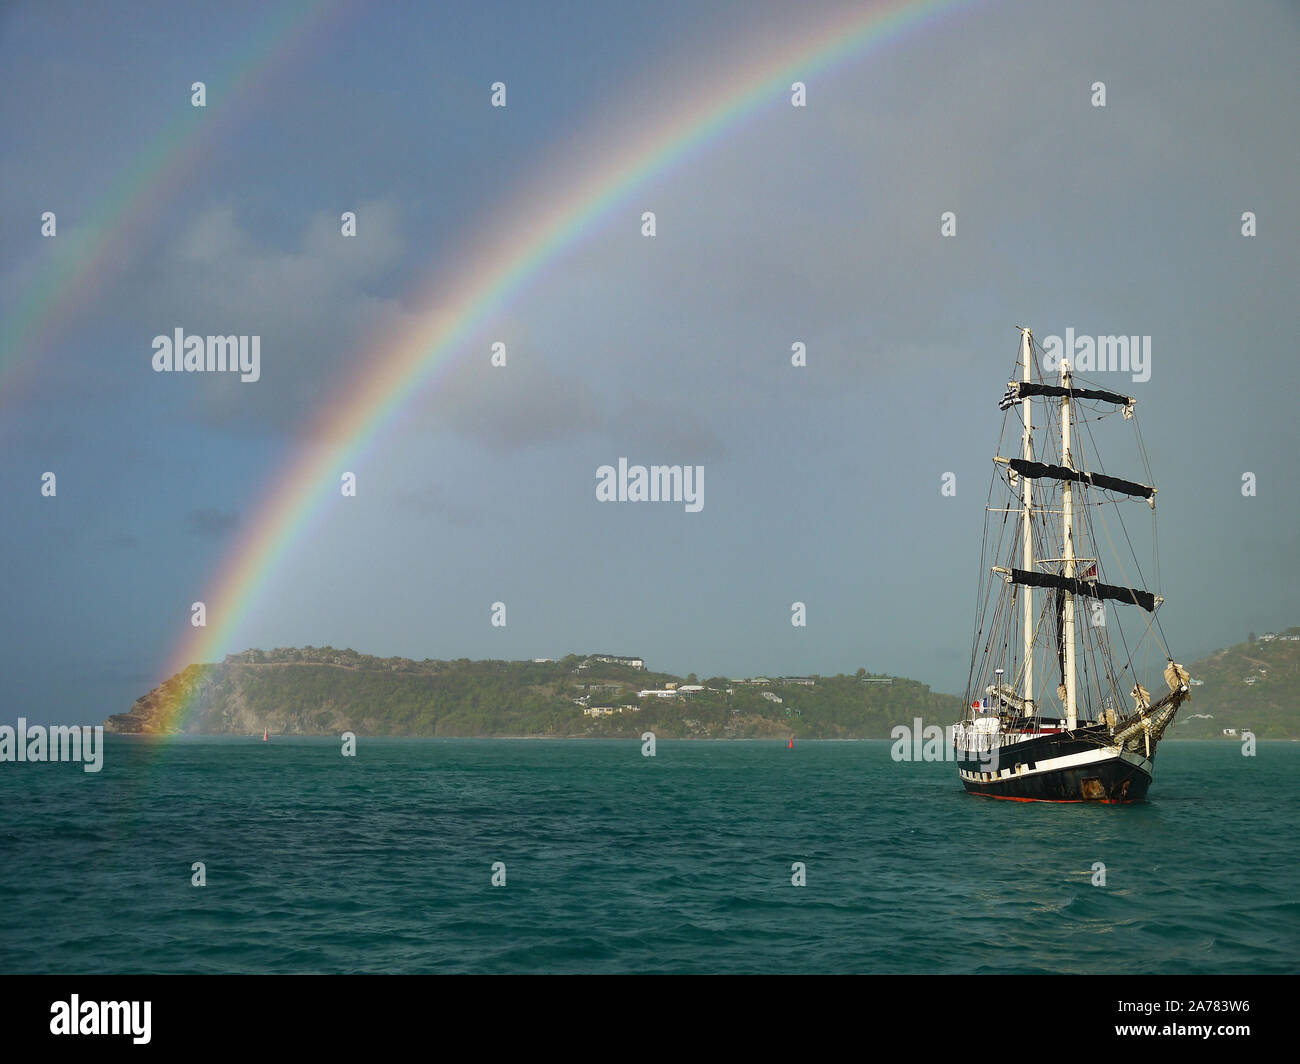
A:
x: 976, y: 738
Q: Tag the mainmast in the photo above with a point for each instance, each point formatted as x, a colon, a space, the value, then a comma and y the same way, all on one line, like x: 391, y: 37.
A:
x: 1026, y: 356
x: 1067, y: 624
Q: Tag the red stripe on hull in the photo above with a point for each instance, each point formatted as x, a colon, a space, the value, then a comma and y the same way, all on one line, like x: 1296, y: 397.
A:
x: 1059, y: 801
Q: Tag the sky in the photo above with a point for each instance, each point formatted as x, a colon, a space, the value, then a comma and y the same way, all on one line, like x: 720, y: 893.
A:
x: 818, y: 225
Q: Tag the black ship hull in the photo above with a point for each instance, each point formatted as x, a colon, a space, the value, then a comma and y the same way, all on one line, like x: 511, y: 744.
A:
x: 1070, y: 767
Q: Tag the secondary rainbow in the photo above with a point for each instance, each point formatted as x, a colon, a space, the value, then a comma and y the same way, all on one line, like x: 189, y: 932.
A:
x: 78, y: 262
x: 355, y: 421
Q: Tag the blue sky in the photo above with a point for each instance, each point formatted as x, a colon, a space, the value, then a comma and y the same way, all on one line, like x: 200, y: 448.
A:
x: 822, y: 484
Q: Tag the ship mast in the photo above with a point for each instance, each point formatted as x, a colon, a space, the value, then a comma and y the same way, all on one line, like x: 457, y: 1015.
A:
x: 1067, y: 534
x: 1026, y: 354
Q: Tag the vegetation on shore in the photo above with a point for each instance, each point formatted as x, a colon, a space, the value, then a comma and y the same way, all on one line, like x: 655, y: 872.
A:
x: 1252, y: 686
x: 324, y: 691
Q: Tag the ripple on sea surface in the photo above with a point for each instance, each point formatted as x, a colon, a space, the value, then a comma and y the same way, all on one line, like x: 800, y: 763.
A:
x: 616, y: 862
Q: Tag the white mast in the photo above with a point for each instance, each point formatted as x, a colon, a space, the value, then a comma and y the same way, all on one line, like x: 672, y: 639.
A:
x: 1026, y: 354
x: 1071, y: 711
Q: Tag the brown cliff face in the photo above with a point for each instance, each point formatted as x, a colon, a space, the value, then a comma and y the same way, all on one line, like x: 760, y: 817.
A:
x: 155, y: 713
x: 231, y: 699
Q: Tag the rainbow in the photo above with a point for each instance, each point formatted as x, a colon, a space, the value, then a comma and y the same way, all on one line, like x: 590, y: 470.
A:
x: 404, y: 365
x: 78, y: 263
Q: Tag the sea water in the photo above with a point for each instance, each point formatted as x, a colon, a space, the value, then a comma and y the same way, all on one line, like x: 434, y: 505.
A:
x: 235, y: 855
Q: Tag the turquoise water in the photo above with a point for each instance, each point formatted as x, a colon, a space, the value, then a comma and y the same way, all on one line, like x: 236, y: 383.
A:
x: 621, y: 863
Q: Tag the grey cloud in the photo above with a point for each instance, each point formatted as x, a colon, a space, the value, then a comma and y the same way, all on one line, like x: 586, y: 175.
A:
x: 210, y: 522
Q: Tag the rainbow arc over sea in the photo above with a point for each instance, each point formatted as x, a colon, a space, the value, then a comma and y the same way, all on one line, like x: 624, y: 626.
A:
x: 400, y: 367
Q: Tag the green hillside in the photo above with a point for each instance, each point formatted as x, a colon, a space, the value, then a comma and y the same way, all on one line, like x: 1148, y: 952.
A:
x: 324, y: 691
x: 1254, y: 685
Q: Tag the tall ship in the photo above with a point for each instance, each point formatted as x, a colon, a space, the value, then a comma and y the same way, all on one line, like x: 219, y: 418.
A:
x: 1056, y: 706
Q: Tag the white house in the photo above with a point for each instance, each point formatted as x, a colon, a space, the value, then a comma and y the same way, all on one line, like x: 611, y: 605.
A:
x: 613, y: 659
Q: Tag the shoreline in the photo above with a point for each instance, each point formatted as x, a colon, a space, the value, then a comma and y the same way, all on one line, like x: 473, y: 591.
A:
x: 594, y: 738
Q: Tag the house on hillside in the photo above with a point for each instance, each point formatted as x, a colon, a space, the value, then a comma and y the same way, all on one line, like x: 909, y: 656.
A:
x: 614, y: 659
